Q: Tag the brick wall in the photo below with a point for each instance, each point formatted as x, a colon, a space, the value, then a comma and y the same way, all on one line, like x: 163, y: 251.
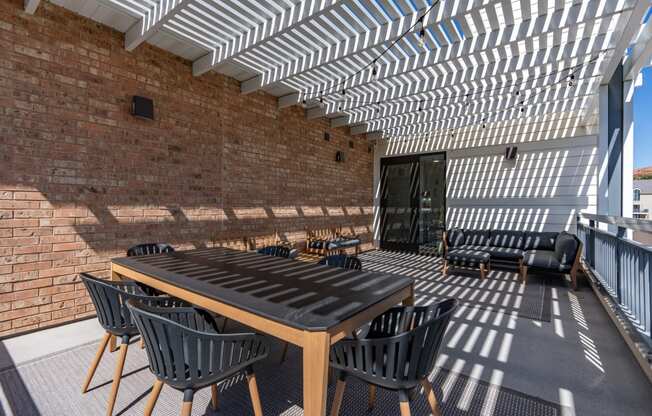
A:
x: 81, y: 180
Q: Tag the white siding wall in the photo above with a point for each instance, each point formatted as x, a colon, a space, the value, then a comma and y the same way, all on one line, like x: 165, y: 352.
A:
x: 549, y: 183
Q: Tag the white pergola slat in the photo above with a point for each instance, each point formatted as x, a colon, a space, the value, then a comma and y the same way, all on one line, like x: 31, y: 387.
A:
x: 318, y: 49
x: 156, y: 17
x: 520, y: 45
x: 31, y: 6
x: 277, y: 25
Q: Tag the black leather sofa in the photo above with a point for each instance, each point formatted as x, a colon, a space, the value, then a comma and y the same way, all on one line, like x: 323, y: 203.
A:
x: 546, y: 251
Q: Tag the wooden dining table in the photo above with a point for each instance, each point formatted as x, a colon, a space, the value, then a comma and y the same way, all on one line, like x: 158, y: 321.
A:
x: 306, y: 304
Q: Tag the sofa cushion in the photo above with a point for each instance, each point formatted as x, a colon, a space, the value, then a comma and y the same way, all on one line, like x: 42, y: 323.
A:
x: 473, y: 247
x: 467, y: 257
x: 476, y: 237
x: 540, y: 241
x: 508, y: 239
x: 504, y: 253
x: 455, y: 237
x: 566, y: 248
x: 543, y: 259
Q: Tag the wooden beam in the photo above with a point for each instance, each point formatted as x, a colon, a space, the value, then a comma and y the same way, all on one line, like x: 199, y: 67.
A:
x: 630, y: 26
x: 339, y: 121
x: 251, y: 85
x: 31, y: 6
x: 315, y: 112
x: 157, y: 16
x: 288, y: 100
x: 641, y: 53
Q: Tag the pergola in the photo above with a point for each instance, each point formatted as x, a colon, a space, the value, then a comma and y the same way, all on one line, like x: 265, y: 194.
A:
x: 401, y: 68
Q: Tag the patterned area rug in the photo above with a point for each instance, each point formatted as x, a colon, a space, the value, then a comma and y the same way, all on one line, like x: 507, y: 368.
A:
x: 501, y: 291
x: 51, y: 386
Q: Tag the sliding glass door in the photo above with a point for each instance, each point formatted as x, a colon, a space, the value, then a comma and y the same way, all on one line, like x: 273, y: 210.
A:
x: 413, y: 202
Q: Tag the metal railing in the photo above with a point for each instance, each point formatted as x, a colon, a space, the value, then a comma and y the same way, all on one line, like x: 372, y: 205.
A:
x: 622, y: 267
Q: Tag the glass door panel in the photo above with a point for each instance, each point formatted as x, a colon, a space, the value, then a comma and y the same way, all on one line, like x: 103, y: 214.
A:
x: 413, y: 203
x: 399, y: 192
x: 432, y: 202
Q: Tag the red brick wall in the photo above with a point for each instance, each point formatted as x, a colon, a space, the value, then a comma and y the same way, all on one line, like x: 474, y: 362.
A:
x: 81, y: 179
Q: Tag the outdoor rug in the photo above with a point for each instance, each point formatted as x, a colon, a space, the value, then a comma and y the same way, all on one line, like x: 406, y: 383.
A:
x: 500, y: 292
x: 51, y: 386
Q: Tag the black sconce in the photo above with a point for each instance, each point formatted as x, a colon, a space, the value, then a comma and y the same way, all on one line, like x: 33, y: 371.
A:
x: 142, y: 107
x: 510, y: 152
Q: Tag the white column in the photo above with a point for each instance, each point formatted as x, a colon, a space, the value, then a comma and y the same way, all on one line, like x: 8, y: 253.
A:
x: 628, y: 149
x: 603, y: 152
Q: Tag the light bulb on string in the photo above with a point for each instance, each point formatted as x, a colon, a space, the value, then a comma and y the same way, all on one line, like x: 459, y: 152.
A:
x: 422, y: 35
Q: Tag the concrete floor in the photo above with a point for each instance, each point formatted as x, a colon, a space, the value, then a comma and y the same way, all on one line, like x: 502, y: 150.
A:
x: 577, y: 360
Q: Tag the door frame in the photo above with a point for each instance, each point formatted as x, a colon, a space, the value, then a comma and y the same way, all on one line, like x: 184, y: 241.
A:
x: 391, y: 160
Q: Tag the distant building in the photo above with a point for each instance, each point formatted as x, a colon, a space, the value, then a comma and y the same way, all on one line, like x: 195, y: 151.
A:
x: 642, y: 198
x: 643, y: 207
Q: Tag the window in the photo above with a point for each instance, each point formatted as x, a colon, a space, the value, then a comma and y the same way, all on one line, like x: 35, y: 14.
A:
x: 637, y: 194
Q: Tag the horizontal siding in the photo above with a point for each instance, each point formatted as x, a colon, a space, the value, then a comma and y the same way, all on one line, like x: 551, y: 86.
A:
x: 544, y: 189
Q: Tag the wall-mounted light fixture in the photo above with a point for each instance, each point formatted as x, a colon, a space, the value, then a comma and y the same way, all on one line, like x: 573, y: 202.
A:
x: 510, y: 152
x: 142, y: 107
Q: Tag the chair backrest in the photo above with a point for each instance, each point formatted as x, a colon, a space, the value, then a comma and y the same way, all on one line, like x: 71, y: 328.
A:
x: 110, y: 298
x: 186, y: 351
x: 400, y: 348
x: 149, y: 248
x: 343, y: 261
x: 276, y: 251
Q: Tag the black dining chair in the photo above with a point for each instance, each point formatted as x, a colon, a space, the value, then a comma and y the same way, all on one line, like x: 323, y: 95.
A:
x: 343, y: 261
x: 276, y: 251
x: 109, y: 299
x: 147, y: 249
x: 188, y: 354
x: 397, y: 353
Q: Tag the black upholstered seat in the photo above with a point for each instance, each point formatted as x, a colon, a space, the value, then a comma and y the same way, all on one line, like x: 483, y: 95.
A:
x: 276, y: 251
x: 543, y: 259
x: 465, y: 256
x: 504, y: 253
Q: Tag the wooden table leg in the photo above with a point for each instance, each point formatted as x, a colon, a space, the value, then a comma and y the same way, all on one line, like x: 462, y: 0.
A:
x: 315, y: 372
x: 409, y: 301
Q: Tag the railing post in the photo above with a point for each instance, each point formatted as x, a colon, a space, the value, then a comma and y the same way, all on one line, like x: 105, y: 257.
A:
x: 620, y: 235
x: 590, y: 249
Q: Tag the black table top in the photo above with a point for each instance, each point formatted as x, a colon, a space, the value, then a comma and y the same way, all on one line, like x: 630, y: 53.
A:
x: 298, y: 294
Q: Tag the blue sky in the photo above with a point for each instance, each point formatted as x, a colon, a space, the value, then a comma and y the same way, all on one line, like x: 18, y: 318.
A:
x: 643, y: 122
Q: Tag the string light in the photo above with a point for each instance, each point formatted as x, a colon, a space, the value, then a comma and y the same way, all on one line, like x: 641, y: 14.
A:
x: 422, y: 35
x: 422, y: 38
